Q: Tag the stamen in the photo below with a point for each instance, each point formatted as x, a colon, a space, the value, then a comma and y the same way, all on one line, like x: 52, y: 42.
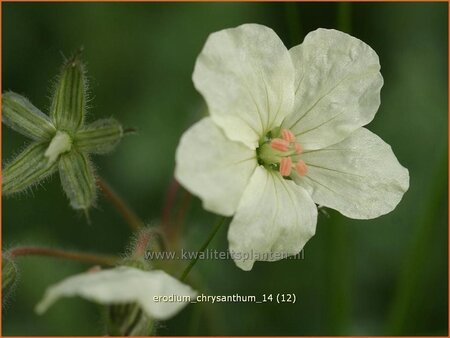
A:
x: 288, y: 135
x: 298, y: 148
x: 279, y: 144
x: 285, y: 166
x: 283, y: 152
x: 301, y: 168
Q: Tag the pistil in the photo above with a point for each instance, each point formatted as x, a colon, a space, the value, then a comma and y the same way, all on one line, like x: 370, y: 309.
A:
x: 59, y: 144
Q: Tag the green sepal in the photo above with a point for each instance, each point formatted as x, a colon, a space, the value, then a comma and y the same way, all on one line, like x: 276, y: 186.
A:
x: 10, y: 275
x: 137, y: 263
x: 128, y: 320
x: 69, y: 101
x: 21, y: 115
x: 27, y: 169
x: 77, y: 179
x: 99, y: 137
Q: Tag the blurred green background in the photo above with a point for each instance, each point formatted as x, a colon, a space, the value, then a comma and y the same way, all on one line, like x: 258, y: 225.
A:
x: 383, y: 276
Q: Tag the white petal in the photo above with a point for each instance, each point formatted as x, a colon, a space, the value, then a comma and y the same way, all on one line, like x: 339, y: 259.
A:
x: 246, y: 76
x: 122, y: 285
x: 214, y: 168
x: 338, y: 85
x: 275, y: 219
x: 360, y: 176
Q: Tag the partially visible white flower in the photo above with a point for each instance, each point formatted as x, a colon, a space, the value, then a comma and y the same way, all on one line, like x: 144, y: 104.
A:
x: 285, y: 132
x: 123, y: 285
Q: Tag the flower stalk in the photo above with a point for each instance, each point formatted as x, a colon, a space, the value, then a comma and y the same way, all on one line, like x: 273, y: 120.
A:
x: 68, y: 255
x: 169, y: 202
x: 221, y: 220
x: 121, y: 206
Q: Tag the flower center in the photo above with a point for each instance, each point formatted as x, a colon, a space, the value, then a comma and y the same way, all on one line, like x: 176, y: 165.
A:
x: 279, y: 150
x: 59, y: 144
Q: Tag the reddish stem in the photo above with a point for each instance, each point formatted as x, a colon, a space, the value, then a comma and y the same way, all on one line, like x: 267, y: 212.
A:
x: 168, y: 207
x: 70, y: 255
x: 121, y: 206
x: 181, y: 215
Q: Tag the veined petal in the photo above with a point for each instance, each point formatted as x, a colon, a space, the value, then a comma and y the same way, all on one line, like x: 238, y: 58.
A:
x: 21, y: 115
x: 99, y: 137
x: 338, y: 85
x: 360, y: 176
x: 246, y: 76
x: 27, y: 169
x: 274, y: 219
x: 77, y: 179
x: 122, y: 285
x: 69, y: 101
x: 211, y: 166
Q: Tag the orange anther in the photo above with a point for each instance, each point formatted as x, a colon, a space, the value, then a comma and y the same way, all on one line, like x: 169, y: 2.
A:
x: 298, y: 148
x: 279, y: 144
x: 301, y: 168
x: 288, y: 135
x: 285, y: 166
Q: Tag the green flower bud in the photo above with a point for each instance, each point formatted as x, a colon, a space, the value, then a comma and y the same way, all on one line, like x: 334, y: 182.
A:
x: 9, y: 276
x: 147, y: 240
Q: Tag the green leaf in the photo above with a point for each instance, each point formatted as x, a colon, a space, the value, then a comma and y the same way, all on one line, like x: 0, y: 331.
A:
x: 19, y: 114
x: 99, y: 137
x: 69, y: 101
x: 77, y: 179
x: 27, y: 169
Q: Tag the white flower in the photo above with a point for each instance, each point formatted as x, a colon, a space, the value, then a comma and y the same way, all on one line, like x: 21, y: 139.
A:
x: 123, y: 285
x: 285, y: 132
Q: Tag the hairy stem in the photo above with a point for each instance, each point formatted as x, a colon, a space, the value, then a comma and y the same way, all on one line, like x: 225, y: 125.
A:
x: 121, y: 206
x: 214, y: 231
x: 69, y: 255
